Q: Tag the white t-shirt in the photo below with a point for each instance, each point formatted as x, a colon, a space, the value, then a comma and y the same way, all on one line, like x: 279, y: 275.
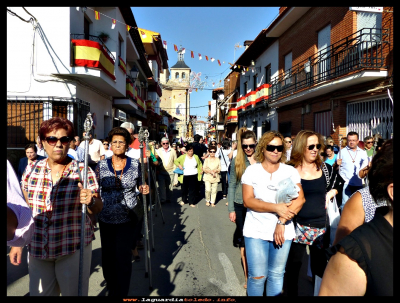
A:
x: 260, y: 225
x: 108, y: 154
x: 225, y: 161
x: 73, y: 154
x: 190, y: 166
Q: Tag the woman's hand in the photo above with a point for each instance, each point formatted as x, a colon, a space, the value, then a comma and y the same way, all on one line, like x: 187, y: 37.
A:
x: 283, y: 210
x: 144, y: 189
x: 279, y: 234
x: 232, y: 217
x: 15, y: 255
x: 85, y: 194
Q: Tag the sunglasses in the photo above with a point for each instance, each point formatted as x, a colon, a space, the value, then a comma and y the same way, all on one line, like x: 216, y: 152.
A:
x: 212, y: 152
x: 328, y: 147
x: 164, y: 143
x: 369, y: 142
x: 272, y: 148
x: 105, y: 144
x: 288, y: 141
x: 311, y: 147
x: 53, y: 140
x: 246, y: 146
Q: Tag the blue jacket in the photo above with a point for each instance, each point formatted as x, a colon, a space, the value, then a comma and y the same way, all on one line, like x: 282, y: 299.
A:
x: 235, y: 187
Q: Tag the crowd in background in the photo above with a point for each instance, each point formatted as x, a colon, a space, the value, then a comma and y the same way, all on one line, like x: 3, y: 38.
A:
x: 277, y: 190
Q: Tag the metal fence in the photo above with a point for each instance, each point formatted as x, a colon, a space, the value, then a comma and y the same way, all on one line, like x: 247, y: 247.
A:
x: 362, y: 49
x: 25, y: 114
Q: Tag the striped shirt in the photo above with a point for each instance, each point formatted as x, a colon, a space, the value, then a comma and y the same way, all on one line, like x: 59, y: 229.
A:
x: 59, y: 235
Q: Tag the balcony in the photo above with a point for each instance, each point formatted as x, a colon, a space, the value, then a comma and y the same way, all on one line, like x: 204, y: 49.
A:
x: 92, y: 61
x: 355, y: 59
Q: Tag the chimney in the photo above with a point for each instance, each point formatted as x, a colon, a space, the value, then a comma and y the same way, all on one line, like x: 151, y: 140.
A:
x: 247, y: 43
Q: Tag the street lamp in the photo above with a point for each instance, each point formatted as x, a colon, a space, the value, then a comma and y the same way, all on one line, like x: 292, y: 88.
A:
x: 134, y: 72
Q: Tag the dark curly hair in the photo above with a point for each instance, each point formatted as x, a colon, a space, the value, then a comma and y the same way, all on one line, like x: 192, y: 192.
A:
x: 31, y: 145
x: 189, y: 147
x: 120, y: 131
x: 212, y: 148
x: 380, y: 174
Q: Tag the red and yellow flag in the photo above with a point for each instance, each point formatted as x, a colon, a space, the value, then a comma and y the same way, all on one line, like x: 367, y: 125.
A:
x: 191, y: 54
x: 219, y: 63
x: 155, y: 38
x: 128, y: 28
x: 96, y: 15
x: 175, y: 48
x: 207, y: 58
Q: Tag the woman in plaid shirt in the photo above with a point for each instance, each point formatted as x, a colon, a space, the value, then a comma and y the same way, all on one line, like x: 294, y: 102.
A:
x: 53, y: 190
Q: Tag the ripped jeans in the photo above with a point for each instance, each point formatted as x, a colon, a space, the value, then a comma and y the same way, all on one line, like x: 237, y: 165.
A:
x: 266, y: 260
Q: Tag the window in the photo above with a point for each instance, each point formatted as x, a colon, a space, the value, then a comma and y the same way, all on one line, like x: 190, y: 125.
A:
x: 120, y: 41
x: 288, y: 66
x: 268, y: 73
x: 323, y: 123
x: 370, y: 23
x: 245, y: 88
x: 183, y: 76
x: 177, y: 75
x: 255, y: 82
x: 86, y: 26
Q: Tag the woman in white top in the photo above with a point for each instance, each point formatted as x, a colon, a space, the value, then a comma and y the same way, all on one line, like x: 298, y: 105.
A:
x: 192, y: 173
x: 268, y: 229
x: 225, y: 161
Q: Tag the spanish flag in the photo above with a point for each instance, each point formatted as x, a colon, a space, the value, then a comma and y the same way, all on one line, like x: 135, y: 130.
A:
x: 207, y: 58
x: 92, y: 54
x: 191, y: 54
x: 96, y: 15
x: 175, y: 48
x: 128, y: 28
x: 122, y: 65
x: 219, y: 63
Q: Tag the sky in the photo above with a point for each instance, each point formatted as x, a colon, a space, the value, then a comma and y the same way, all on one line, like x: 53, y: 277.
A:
x: 210, y: 31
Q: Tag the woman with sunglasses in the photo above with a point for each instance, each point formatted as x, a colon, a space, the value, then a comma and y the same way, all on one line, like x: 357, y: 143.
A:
x: 118, y: 178
x: 320, y: 184
x: 246, y: 146
x: 211, y: 169
x: 53, y: 190
x: 268, y: 230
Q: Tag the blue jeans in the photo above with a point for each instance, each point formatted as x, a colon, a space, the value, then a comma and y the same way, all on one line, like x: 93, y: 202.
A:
x: 267, y: 260
x: 348, y: 191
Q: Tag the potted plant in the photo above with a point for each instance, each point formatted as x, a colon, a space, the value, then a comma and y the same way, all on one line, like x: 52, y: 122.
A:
x: 104, y: 36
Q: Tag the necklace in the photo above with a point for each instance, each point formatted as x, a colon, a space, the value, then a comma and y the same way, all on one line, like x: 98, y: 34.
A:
x: 354, y: 156
x: 115, y: 173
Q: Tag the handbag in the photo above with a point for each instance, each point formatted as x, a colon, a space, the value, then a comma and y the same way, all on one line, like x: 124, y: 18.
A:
x: 334, y: 218
x: 309, y: 235
x: 178, y: 171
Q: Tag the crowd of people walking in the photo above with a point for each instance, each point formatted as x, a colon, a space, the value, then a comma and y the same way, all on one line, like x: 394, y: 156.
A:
x: 278, y: 191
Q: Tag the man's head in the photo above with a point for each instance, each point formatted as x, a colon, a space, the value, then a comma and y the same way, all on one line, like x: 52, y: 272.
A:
x: 165, y: 143
x: 201, y: 140
x: 174, y: 145
x: 130, y: 128
x: 352, y: 140
x: 288, y: 142
x: 77, y: 140
x: 368, y: 142
x: 72, y: 144
x: 196, y: 138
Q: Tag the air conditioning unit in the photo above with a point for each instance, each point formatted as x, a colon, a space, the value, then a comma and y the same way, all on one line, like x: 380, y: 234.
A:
x: 119, y: 114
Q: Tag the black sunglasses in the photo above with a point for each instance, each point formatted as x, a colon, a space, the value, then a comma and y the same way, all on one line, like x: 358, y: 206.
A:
x: 311, y: 147
x: 212, y: 152
x: 288, y: 141
x: 164, y: 143
x: 245, y: 146
x: 272, y: 148
x: 53, y: 140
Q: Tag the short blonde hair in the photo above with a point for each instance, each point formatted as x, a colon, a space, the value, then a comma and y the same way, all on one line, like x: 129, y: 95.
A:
x: 262, y: 145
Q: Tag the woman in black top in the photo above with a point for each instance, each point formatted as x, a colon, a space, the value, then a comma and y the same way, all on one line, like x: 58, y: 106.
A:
x: 362, y: 262
x: 320, y: 184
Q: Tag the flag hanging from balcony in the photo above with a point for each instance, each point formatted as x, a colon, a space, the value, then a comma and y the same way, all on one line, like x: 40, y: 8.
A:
x: 128, y: 28
x: 92, y: 54
x: 219, y: 63
x: 113, y: 23
x: 175, y: 48
x: 191, y: 54
x: 122, y: 64
x: 165, y: 44
x: 129, y: 88
x: 143, y: 34
x: 96, y: 15
x: 199, y: 57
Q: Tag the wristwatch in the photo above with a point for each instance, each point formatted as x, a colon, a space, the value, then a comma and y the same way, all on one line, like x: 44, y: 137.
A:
x: 280, y: 222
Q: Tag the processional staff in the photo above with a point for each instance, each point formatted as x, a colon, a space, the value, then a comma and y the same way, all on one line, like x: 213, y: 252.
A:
x: 87, y: 126
x: 142, y: 135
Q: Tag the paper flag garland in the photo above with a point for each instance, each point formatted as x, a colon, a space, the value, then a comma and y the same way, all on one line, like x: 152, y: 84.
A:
x: 113, y: 23
x: 183, y: 50
x: 191, y: 54
x: 206, y: 58
x: 165, y: 44
x: 175, y: 48
x: 96, y: 15
x: 199, y: 57
x: 128, y: 28
x: 212, y: 59
x: 219, y: 63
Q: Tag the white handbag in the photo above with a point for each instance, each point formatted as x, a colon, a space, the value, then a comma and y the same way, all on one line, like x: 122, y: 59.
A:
x: 334, y: 218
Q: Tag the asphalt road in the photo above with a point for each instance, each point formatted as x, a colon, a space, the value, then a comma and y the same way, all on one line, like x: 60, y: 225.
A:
x: 193, y: 256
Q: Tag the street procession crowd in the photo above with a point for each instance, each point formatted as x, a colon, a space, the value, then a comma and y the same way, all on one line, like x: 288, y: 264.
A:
x: 287, y: 196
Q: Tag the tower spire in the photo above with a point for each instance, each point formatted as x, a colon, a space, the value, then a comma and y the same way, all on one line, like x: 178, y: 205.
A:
x: 181, y: 53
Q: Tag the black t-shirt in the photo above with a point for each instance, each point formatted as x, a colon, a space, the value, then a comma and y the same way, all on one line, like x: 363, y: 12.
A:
x: 199, y: 150
x: 371, y: 246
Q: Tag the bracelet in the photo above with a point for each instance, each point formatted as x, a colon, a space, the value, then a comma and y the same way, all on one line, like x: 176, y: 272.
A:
x: 91, y: 204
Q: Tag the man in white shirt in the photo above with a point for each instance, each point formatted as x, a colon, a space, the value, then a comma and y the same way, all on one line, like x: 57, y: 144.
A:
x: 288, y: 144
x: 354, y: 166
x: 165, y: 177
x: 40, y: 149
x: 96, y: 151
x: 76, y: 151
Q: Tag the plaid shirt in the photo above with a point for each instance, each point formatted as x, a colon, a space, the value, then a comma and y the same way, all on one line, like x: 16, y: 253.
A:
x: 60, y: 235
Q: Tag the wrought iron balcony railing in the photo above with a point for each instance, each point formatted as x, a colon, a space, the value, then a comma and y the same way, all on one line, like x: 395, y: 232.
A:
x: 362, y: 49
x: 93, y: 38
